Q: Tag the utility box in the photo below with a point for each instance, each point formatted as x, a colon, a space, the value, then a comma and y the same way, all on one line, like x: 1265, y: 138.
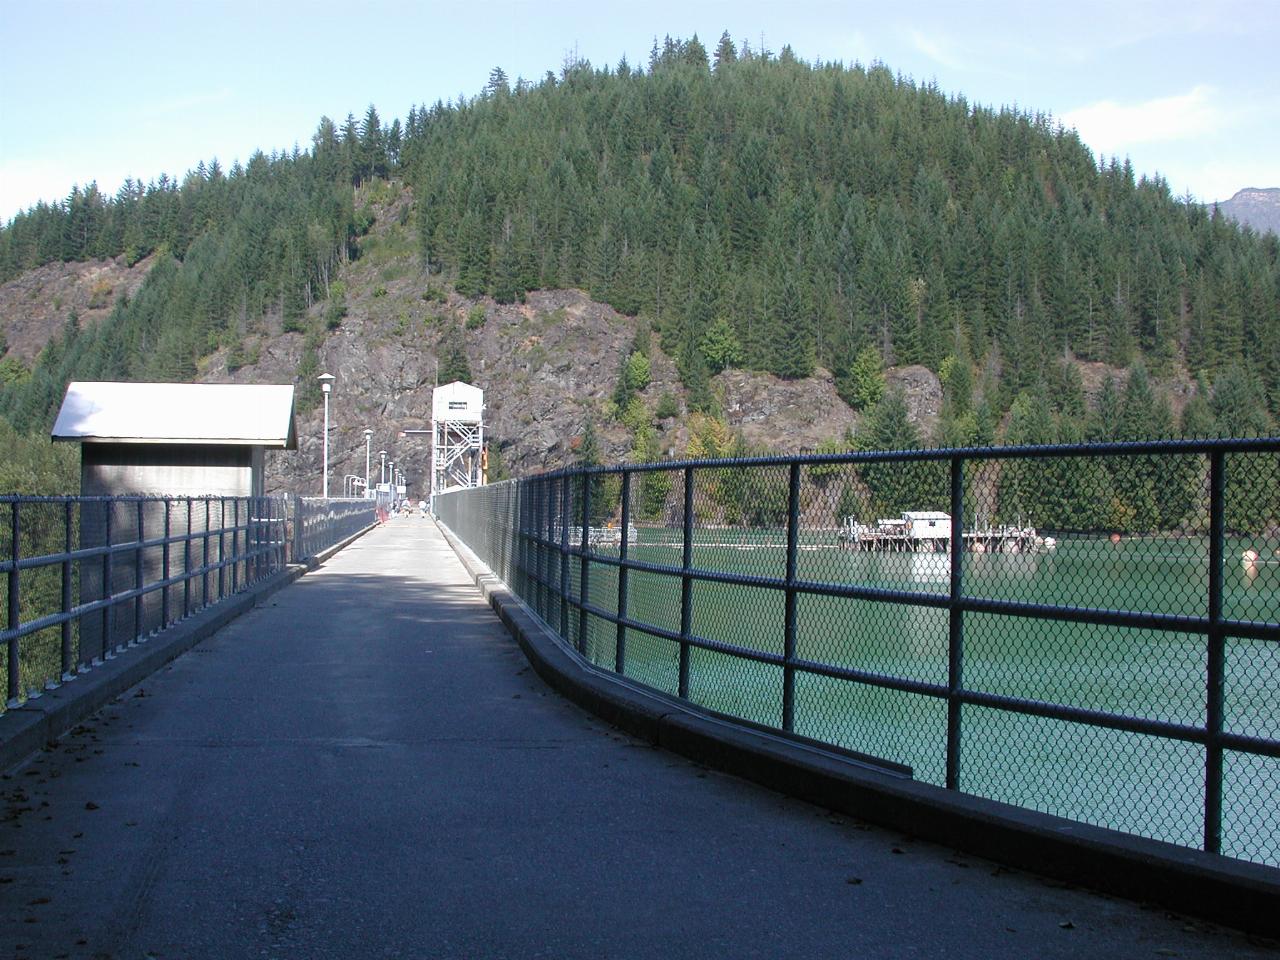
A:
x: 178, y: 440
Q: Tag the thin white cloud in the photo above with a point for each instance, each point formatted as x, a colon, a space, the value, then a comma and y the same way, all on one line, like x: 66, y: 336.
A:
x: 1111, y: 127
x: 937, y: 50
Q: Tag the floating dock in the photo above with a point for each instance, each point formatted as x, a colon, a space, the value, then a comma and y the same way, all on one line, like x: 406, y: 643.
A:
x: 930, y: 532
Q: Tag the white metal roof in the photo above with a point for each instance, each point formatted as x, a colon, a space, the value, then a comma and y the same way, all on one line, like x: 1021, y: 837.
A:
x: 211, y: 413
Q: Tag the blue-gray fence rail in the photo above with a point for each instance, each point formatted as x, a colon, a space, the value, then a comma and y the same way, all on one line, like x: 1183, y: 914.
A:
x: 319, y: 524
x: 1091, y: 630
x: 81, y: 578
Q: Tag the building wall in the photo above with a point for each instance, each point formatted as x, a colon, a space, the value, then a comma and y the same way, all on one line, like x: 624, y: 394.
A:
x: 169, y: 470
x: 120, y: 469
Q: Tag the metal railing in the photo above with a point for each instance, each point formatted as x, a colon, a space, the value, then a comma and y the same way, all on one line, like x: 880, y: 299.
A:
x: 319, y: 524
x: 84, y: 577
x: 1090, y: 631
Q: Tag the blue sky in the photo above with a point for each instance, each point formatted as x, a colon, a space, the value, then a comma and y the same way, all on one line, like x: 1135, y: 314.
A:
x: 105, y: 90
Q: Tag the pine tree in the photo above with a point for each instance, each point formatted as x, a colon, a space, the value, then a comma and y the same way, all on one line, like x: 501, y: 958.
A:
x: 726, y: 53
x: 794, y: 357
x: 862, y: 383
x: 453, y: 361
x: 720, y: 346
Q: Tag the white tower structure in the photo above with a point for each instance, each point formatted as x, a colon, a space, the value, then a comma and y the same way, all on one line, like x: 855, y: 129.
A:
x: 457, y: 437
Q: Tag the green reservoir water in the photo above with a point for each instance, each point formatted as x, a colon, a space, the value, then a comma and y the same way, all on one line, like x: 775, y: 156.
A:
x: 1136, y: 783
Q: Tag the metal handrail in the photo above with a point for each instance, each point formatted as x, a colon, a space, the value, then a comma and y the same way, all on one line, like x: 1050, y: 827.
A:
x: 244, y: 544
x: 527, y: 542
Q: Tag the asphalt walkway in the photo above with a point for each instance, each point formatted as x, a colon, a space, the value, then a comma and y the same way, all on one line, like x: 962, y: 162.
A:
x: 365, y: 767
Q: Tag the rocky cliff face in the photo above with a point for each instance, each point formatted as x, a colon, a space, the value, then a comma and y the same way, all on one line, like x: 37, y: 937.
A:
x: 35, y: 306
x: 547, y: 366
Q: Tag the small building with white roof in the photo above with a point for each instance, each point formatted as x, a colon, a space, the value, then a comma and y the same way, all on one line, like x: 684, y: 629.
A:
x: 165, y: 440
x: 175, y: 439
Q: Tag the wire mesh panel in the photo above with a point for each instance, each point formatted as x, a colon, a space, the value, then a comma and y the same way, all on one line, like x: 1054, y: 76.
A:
x: 84, y: 577
x: 1251, y: 816
x: 1145, y: 785
x: 319, y: 524
x: 895, y: 725
x: 1251, y: 552
x: 1089, y: 631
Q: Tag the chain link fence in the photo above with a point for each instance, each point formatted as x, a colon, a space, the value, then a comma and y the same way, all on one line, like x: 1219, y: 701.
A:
x: 1088, y: 631
x: 319, y: 524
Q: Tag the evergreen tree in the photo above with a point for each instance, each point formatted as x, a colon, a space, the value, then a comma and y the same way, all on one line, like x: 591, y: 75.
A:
x: 726, y: 53
x: 453, y: 361
x: 1197, y: 416
x: 720, y: 346
x: 862, y: 384
x: 794, y: 358
x: 894, y: 486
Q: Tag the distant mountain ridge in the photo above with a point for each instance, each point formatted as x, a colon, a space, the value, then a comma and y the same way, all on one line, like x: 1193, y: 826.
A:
x: 1254, y: 207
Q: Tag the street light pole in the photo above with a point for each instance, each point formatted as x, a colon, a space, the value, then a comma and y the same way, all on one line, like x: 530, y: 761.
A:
x: 368, y: 437
x: 326, y: 384
x: 383, y: 455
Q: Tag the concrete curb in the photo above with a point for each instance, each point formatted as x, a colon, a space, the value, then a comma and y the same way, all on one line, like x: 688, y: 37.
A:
x: 25, y: 730
x: 1221, y: 889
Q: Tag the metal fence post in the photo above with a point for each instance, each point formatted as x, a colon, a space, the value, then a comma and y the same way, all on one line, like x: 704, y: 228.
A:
x: 545, y: 531
x: 272, y: 542
x: 955, y: 620
x: 235, y: 545
x: 1216, y: 658
x: 516, y: 558
x: 252, y: 508
x: 186, y: 565
x: 204, y: 559
x: 107, y: 590
x: 620, y: 651
x: 164, y: 565
x: 68, y: 655
x: 137, y: 573
x: 529, y: 526
x: 299, y: 518
x: 564, y: 556
x: 585, y: 569
x: 789, y: 618
x: 686, y: 586
x: 281, y: 533
x: 537, y: 591
x: 222, y: 547
x: 15, y: 614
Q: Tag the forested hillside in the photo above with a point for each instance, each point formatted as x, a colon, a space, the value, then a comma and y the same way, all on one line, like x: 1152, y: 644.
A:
x: 756, y: 210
